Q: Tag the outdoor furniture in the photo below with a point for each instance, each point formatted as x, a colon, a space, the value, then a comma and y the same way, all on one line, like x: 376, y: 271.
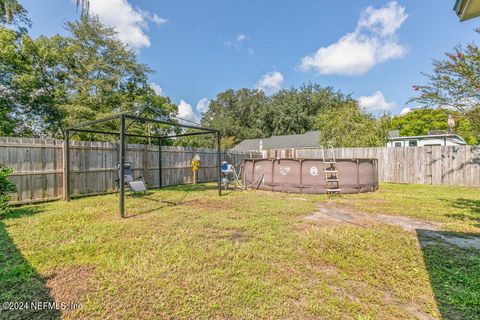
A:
x: 134, y: 184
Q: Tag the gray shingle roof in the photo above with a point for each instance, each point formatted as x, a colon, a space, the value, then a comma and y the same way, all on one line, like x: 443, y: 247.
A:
x: 309, y: 139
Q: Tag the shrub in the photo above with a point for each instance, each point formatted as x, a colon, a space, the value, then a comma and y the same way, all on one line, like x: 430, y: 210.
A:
x: 6, y: 186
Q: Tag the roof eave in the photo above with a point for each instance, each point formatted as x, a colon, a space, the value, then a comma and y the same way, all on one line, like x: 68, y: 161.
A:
x: 467, y: 9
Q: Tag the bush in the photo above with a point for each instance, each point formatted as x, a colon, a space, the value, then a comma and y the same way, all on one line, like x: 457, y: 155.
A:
x: 6, y: 186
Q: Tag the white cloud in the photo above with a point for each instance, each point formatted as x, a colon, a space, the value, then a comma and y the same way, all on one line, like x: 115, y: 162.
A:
x: 202, y: 105
x: 185, y: 111
x: 130, y: 23
x: 156, y: 19
x: 384, y: 21
x: 374, y: 41
x: 238, y: 42
x: 241, y: 37
x: 405, y: 110
x: 375, y: 102
x: 270, y: 82
x: 158, y: 90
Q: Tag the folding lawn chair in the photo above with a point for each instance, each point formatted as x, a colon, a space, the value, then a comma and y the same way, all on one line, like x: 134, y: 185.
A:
x: 134, y: 184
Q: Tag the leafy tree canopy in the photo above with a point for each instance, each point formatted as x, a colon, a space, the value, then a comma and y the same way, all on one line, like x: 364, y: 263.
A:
x: 293, y: 111
x: 455, y: 82
x: 236, y: 113
x: 351, y: 126
x: 6, y: 187
x: 421, y: 121
x: 14, y: 15
x: 248, y: 114
x: 53, y: 82
x: 9, y: 63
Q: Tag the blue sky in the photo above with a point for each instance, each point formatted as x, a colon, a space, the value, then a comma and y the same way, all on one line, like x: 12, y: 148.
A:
x: 374, y: 50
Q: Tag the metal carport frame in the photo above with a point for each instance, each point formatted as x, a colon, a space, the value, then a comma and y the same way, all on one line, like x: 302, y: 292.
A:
x: 122, y: 133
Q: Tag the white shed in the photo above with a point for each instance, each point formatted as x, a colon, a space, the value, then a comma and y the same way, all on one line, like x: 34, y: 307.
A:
x: 445, y: 139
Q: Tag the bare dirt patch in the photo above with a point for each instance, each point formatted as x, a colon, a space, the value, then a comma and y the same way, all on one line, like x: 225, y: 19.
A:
x: 298, y: 199
x: 328, y: 269
x: 330, y: 213
x: 233, y: 235
x: 68, y: 285
x: 207, y: 204
x: 334, y: 214
x: 237, y: 236
x: 355, y: 289
x: 409, y: 224
x: 412, y: 308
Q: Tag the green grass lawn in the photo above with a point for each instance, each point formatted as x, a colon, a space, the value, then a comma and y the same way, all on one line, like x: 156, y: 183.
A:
x: 184, y: 253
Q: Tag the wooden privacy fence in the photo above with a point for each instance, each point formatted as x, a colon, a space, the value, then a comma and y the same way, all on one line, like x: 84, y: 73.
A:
x: 38, y: 166
x: 439, y: 165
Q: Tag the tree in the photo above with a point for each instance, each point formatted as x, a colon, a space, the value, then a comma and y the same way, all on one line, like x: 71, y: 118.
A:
x: 12, y: 13
x: 6, y: 186
x: 60, y: 81
x: 455, y: 82
x: 248, y: 114
x: 351, y: 126
x: 236, y: 114
x: 203, y: 141
x: 421, y: 121
x: 10, y: 63
x: 294, y: 111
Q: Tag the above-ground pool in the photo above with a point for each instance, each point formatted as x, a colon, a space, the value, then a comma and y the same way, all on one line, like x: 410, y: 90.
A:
x: 307, y: 175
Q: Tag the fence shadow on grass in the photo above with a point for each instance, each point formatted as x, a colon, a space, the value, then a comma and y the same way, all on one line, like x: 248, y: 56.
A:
x: 164, y: 197
x: 19, y: 282
x: 470, y: 207
x: 164, y: 203
x: 454, y: 272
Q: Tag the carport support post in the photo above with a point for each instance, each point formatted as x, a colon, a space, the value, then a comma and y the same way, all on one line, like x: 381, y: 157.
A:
x: 219, y: 163
x: 122, y: 167
x: 66, y: 166
x: 160, y: 162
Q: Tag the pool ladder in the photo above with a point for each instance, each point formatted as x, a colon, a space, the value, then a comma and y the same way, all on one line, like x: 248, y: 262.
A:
x: 330, y: 171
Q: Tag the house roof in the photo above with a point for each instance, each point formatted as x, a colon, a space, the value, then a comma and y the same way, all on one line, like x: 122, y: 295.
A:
x: 309, y: 139
x: 467, y: 9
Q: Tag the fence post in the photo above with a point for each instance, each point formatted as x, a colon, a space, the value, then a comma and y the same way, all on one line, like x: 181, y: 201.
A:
x: 160, y: 162
x: 219, y: 163
x: 145, y: 170
x: 122, y: 167
x: 66, y: 166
